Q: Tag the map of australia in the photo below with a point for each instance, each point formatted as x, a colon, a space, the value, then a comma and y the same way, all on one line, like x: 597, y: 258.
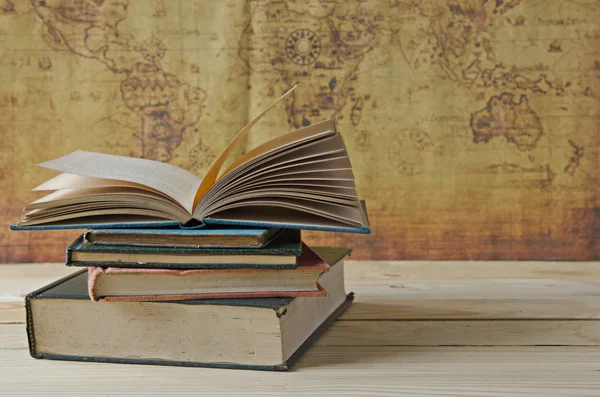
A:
x: 513, y: 120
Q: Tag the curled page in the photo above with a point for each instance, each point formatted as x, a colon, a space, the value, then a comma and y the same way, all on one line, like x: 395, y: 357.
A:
x: 72, y: 181
x: 215, y: 168
x: 173, y: 181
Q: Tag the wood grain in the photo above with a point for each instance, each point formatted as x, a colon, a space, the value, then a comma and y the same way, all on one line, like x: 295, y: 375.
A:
x: 415, y: 329
x: 457, y: 270
x: 524, y: 292
x: 329, y: 371
x: 463, y: 333
x: 12, y: 312
x: 426, y: 333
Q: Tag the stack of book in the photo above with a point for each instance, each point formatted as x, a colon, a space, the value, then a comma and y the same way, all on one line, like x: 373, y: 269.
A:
x: 235, y: 298
x: 181, y: 270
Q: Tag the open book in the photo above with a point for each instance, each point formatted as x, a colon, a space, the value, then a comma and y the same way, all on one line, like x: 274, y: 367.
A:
x: 302, y: 179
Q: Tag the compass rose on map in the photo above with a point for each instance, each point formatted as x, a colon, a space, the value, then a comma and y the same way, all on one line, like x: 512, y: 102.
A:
x: 303, y: 46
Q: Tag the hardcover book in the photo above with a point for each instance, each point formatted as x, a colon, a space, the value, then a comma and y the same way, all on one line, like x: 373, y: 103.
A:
x: 280, y: 254
x: 262, y: 333
x: 302, y: 179
x: 122, y: 285
x: 186, y: 238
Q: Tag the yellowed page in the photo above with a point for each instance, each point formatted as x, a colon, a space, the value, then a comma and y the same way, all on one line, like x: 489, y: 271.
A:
x: 259, y: 160
x: 285, y: 211
x: 79, y: 202
x: 283, y: 141
x: 215, y: 168
x: 175, y: 182
x: 110, y: 196
x: 282, y: 195
x: 132, y: 213
x: 72, y: 181
x: 263, y: 154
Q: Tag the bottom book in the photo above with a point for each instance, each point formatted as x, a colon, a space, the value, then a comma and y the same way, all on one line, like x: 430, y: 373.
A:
x: 262, y: 333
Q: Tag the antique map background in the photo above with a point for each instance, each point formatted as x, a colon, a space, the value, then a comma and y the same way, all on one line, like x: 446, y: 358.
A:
x: 473, y: 125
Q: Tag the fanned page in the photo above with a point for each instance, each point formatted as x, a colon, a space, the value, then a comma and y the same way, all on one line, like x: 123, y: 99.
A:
x: 302, y: 178
x: 214, y: 170
x: 177, y: 183
x: 71, y: 181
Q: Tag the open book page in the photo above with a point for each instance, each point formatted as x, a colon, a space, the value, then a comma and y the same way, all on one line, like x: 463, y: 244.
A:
x: 321, y: 164
x: 266, y: 185
x: 107, y: 215
x: 173, y: 181
x: 328, y: 148
x: 292, y: 212
x: 214, y: 170
x: 303, y: 173
x: 77, y: 202
x: 292, y: 139
x: 72, y: 181
x: 275, y: 150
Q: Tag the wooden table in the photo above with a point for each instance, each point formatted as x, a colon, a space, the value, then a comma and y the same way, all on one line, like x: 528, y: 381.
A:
x: 415, y: 329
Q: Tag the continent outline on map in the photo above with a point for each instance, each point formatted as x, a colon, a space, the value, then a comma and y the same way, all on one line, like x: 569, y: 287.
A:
x: 166, y: 106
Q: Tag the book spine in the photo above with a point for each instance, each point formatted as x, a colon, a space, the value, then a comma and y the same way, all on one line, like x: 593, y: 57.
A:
x: 69, y: 250
x: 29, y: 320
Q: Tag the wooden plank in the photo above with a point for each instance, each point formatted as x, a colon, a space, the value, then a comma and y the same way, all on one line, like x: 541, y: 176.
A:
x: 394, y: 298
x: 449, y: 300
x: 463, y: 333
x: 13, y: 336
x: 425, y: 333
x: 357, y: 357
x: 328, y: 371
x: 16, y: 281
x: 461, y: 270
x: 12, y: 312
x: 407, y: 270
x: 371, y: 306
x: 493, y: 289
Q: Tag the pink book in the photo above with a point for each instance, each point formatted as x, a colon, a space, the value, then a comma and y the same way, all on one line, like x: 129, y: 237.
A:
x: 114, y: 284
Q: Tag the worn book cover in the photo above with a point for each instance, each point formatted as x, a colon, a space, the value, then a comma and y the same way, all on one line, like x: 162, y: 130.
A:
x: 115, y: 284
x: 215, y: 237
x: 281, y: 253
